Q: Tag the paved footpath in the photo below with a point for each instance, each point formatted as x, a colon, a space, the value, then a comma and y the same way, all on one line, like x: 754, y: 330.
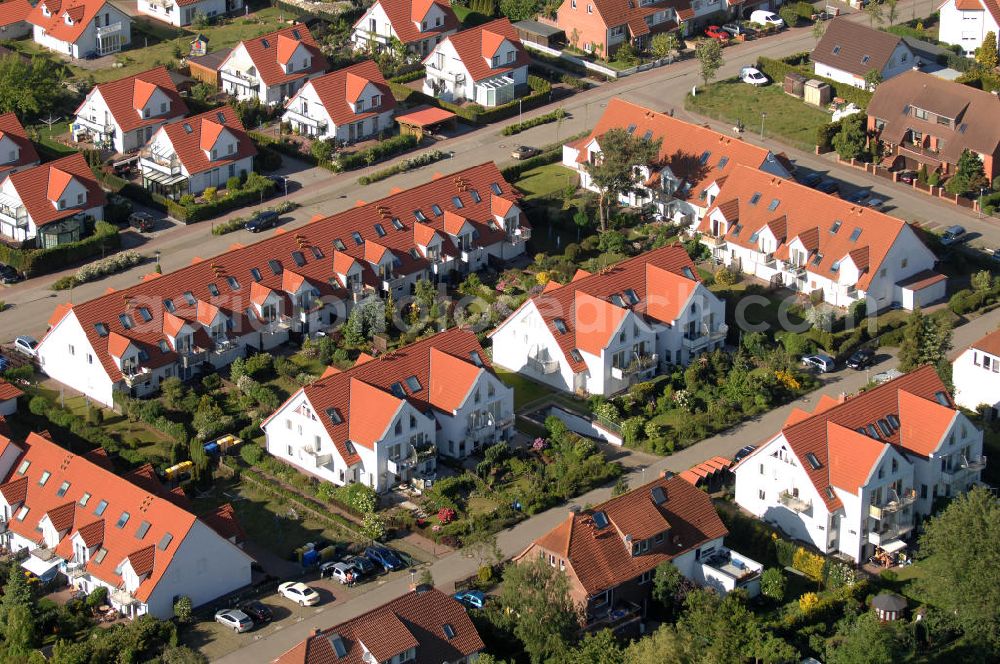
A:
x: 512, y: 541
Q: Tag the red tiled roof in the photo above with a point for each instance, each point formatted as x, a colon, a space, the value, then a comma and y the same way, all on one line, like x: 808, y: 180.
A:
x: 281, y: 44
x: 683, y: 146
x: 415, y: 620
x: 425, y: 116
x: 476, y: 46
x: 206, y: 128
x: 11, y: 128
x: 81, y: 12
x: 809, y: 215
x: 82, y: 477
x: 404, y: 15
x: 435, y: 362
x: 600, y: 557
x: 338, y: 89
x: 988, y: 344
x: 912, y: 398
x: 922, y: 280
x: 8, y: 391
x: 852, y: 457
x: 625, y: 12
x: 14, y: 11
x: 127, y: 96
x: 223, y: 520
x: 34, y: 185
x: 656, y: 297
x: 317, y: 236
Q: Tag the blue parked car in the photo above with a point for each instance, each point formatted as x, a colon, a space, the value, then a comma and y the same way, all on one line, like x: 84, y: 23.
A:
x: 471, y: 598
x: 385, y: 557
x: 3, y: 363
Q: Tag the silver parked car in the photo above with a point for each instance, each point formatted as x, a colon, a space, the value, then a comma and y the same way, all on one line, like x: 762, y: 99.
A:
x: 234, y: 619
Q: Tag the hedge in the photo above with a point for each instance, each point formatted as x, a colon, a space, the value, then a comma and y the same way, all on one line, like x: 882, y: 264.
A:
x: 514, y: 171
x: 283, y: 146
x: 33, y: 262
x: 195, y: 212
x: 477, y: 114
x: 409, y: 77
x: 378, y: 152
x: 131, y: 190
x: 777, y: 69
x: 403, y: 166
x: 518, y: 127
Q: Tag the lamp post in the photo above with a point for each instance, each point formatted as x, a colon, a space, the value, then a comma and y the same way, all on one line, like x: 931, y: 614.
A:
x: 763, y: 116
x: 519, y: 103
x: 982, y: 191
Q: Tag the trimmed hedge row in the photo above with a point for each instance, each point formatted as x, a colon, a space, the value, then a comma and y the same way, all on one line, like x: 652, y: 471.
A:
x: 403, y: 166
x: 33, y: 262
x: 409, y: 77
x: 514, y: 171
x: 777, y: 69
x: 378, y: 152
x: 316, y: 510
x: 195, y: 212
x: 131, y: 190
x: 518, y: 127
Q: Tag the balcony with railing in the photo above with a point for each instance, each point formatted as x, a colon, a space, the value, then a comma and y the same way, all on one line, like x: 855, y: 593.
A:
x: 13, y: 212
x: 192, y: 357
x: 151, y: 160
x: 319, y: 125
x: 520, y: 234
x: 443, y: 74
x: 95, y: 127
x: 888, y: 533
x: 111, y: 29
x: 316, y: 458
x: 75, y: 570
x: 729, y: 569
x: 122, y: 598
x: 974, y: 464
x: 135, y: 375
x: 919, y: 151
x: 603, y: 616
x: 540, y: 362
x: 793, y: 502
x: 470, y: 254
x: 894, y: 504
x: 703, y: 335
x: 640, y: 362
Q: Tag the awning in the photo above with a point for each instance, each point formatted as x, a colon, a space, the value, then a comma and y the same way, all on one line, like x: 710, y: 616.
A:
x: 893, y: 546
x: 163, y: 178
x: 43, y: 569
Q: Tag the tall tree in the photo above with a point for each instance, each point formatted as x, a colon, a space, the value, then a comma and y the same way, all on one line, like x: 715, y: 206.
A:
x: 709, y: 52
x: 28, y: 88
x: 538, y: 595
x: 597, y: 648
x: 872, y: 78
x: 18, y: 620
x: 969, y: 175
x: 865, y: 640
x: 891, y: 10
x: 849, y: 142
x: 986, y: 55
x: 613, y: 171
x: 519, y: 10
x: 960, y: 551
x: 926, y: 340
x: 875, y: 13
x: 725, y: 631
x: 664, y: 646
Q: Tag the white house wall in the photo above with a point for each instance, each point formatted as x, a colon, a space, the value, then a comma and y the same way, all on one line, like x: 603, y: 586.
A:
x: 524, y: 331
x: 901, y: 60
x: 66, y: 355
x: 181, y: 16
x: 87, y: 41
x: 965, y: 28
x: 974, y: 384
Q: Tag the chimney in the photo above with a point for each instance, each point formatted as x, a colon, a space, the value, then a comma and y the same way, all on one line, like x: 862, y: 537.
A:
x: 316, y: 631
x: 842, y: 397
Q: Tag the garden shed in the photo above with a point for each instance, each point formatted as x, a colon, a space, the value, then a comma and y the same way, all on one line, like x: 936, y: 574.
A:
x: 794, y: 84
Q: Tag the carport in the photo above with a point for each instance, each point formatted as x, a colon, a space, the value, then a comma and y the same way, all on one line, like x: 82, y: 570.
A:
x: 425, y: 120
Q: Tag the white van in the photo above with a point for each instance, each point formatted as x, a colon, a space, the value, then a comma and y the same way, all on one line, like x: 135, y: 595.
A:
x: 764, y: 17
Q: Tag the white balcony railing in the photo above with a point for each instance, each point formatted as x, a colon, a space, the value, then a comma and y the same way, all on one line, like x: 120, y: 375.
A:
x: 106, y: 30
x: 241, y: 77
x: 301, y: 118
x: 794, y: 502
x: 974, y: 464
x: 543, y: 364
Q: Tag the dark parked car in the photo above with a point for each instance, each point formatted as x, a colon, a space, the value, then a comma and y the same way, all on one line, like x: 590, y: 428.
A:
x: 262, y: 221
x: 858, y: 197
x: 744, y: 453
x: 953, y: 235
x: 258, y: 611
x: 861, y: 358
x: 385, y: 557
x: 361, y: 564
x: 828, y: 186
x: 9, y: 275
x: 812, y: 180
x: 141, y: 221
x: 909, y: 177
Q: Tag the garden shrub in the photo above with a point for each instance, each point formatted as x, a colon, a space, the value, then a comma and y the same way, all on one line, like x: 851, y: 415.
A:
x: 251, y: 453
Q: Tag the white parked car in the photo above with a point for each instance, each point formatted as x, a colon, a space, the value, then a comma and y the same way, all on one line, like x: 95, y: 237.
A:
x: 753, y: 76
x: 343, y: 572
x: 234, y: 619
x: 764, y: 17
x: 299, y: 593
x: 26, y: 346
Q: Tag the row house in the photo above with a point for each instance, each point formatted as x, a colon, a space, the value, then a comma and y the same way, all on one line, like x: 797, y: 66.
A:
x: 49, y: 205
x: 420, y: 25
x: 424, y: 626
x: 847, y: 51
x: 75, y: 515
x: 385, y: 420
x: 347, y: 105
x: 603, y: 332
x: 14, y: 19
x: 967, y: 23
x: 195, y: 153
x: 180, y: 13
x: 926, y: 121
x: 691, y: 158
x: 856, y: 476
x: 486, y: 65
x: 81, y: 28
x: 976, y: 375
x: 787, y: 234
x: 272, y: 67
x: 17, y: 152
x: 610, y: 552
x: 123, y: 115
x: 203, y: 316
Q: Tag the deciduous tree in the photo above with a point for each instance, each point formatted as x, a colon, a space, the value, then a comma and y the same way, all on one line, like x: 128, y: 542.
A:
x: 709, y: 53
x: 986, y: 55
x: 865, y: 640
x: 538, y: 595
x: 926, y: 340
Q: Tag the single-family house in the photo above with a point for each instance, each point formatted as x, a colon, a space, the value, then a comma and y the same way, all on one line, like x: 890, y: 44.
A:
x: 486, y: 65
x: 73, y: 514
x: 183, y: 12
x: 424, y: 626
x: 251, y: 298
x: 48, y: 205
x: 976, y: 374
x: 967, y: 22
x: 419, y: 24
x: 855, y: 476
x: 17, y: 152
x: 788, y: 234
x: 346, y: 105
x: 384, y: 421
x: 610, y: 552
x: 202, y: 151
x: 14, y: 19
x: 602, y: 26
x: 123, y: 115
x: 924, y: 120
x: 691, y: 160
x: 81, y: 28
x: 849, y: 50
x: 270, y: 68
x: 605, y: 331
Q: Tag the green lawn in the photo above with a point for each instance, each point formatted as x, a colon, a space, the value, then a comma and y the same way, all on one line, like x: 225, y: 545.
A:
x: 787, y: 118
x: 46, y: 134
x: 546, y: 181
x: 469, y: 18
x: 525, y: 389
